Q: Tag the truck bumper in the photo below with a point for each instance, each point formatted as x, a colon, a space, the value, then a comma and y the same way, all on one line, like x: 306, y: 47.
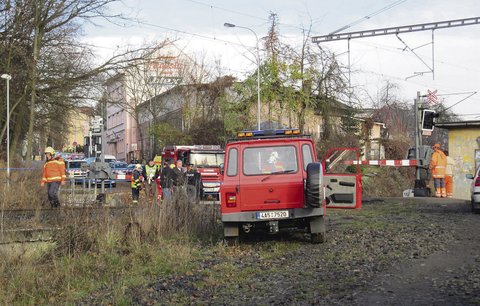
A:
x: 294, y: 213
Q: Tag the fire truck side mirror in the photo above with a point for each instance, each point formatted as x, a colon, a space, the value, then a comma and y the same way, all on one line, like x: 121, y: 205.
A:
x: 327, y: 165
x: 222, y: 168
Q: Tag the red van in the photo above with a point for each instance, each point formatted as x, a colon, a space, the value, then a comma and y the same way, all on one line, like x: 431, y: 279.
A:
x: 272, y: 180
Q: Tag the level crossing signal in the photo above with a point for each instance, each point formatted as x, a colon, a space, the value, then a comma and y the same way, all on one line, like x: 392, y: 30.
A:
x: 428, y: 120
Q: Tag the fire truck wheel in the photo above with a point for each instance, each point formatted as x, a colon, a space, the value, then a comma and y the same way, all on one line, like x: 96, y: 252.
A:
x: 317, y: 230
x: 318, y: 238
x: 313, y: 189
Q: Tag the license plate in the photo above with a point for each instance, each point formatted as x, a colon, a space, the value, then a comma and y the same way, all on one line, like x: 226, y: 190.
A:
x: 210, y: 189
x: 276, y: 214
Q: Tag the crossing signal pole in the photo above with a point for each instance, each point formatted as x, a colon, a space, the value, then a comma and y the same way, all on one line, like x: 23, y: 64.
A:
x: 424, y: 125
x: 418, y: 138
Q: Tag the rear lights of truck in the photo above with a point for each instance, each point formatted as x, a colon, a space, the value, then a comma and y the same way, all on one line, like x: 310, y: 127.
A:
x: 231, y: 199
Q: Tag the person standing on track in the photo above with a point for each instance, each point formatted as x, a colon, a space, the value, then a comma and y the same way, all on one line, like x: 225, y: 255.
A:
x: 449, y: 174
x: 438, y: 166
x: 54, y: 175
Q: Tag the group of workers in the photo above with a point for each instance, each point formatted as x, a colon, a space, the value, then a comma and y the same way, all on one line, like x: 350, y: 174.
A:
x: 442, y: 166
x: 165, y: 181
x: 159, y: 182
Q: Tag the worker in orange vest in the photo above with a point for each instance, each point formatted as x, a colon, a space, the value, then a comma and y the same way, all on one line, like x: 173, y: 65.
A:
x: 53, y: 175
x: 451, y: 164
x: 438, y: 165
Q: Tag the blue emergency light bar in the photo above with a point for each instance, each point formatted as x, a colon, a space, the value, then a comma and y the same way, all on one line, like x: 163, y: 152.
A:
x: 256, y: 133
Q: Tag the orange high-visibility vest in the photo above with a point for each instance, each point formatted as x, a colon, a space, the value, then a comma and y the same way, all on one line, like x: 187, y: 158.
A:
x: 54, y: 171
x: 438, y: 164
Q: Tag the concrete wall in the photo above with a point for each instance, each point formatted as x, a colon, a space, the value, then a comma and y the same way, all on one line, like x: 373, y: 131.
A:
x: 462, y: 145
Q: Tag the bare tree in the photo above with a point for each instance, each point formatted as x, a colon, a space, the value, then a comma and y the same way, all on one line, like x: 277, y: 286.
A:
x: 52, y: 72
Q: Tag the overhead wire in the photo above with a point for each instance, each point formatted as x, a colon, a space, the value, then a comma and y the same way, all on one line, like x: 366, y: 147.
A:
x: 386, y: 8
x: 212, y: 7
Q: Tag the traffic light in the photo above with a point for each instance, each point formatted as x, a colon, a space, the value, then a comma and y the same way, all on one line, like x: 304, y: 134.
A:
x: 428, y: 117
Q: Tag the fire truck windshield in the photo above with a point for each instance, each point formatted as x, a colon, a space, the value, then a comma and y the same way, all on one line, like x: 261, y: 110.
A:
x: 205, y: 160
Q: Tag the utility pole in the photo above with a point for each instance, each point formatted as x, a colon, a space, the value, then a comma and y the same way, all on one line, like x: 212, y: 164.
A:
x: 418, y: 138
x: 422, y: 153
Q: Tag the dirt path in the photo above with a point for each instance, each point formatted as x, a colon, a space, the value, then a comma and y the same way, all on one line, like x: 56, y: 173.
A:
x: 391, y: 252
x: 448, y: 277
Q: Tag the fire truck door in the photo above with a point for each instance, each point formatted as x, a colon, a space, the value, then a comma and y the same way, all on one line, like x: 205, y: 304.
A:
x: 342, y: 178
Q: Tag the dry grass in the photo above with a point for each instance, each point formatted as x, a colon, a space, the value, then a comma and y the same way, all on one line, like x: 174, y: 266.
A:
x: 387, y: 181
x: 24, y: 190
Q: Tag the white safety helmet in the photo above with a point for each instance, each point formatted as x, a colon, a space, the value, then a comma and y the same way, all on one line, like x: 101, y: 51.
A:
x: 138, y: 166
x: 50, y: 150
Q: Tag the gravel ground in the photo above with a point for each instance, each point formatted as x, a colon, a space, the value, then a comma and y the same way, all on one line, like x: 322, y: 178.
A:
x: 421, y: 251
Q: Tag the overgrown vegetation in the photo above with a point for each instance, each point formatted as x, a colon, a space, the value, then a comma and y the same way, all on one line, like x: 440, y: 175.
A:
x: 95, y: 251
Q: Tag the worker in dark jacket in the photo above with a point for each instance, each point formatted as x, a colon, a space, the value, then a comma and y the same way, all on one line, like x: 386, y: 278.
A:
x: 178, y: 177
x: 166, y: 181
x: 178, y: 174
x: 193, y: 182
x: 137, y: 182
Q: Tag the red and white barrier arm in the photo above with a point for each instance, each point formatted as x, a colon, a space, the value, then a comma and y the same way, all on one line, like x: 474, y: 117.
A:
x: 385, y: 162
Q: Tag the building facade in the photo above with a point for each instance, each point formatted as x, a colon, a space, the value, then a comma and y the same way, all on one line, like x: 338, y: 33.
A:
x: 78, y: 128
x: 156, y: 72
x: 464, y: 148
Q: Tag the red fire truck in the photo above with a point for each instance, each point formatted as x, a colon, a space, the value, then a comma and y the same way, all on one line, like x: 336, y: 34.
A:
x: 272, y: 180
x: 207, y: 159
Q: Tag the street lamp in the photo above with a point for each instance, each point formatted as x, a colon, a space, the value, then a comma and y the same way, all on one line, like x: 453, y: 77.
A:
x: 8, y: 77
x: 231, y: 25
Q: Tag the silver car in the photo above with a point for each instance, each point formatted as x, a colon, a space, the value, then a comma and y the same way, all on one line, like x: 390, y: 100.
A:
x: 475, y: 191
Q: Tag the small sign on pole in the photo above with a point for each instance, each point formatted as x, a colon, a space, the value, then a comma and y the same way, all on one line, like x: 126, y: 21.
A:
x: 432, y: 97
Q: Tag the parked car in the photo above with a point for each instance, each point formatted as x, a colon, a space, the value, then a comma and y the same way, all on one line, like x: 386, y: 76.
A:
x: 108, y: 159
x: 74, y: 170
x: 76, y: 156
x: 108, y: 183
x: 475, y: 191
x: 119, y: 169
x: 64, y: 155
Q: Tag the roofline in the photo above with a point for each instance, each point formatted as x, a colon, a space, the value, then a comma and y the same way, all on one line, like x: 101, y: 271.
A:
x: 458, y: 124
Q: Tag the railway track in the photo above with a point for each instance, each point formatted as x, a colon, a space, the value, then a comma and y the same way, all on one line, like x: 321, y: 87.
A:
x: 31, y: 225
x: 40, y: 224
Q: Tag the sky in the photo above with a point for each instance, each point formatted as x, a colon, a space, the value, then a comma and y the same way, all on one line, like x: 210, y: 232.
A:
x: 199, y: 26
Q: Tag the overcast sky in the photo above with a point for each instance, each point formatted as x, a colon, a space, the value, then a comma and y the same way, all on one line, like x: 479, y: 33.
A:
x: 199, y: 26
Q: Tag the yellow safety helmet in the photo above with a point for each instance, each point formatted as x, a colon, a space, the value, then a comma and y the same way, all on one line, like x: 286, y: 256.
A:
x: 50, y: 150
x: 138, y: 166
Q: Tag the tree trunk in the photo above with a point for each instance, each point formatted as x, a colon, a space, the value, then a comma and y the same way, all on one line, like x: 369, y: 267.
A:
x: 140, y: 135
x: 33, y: 84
